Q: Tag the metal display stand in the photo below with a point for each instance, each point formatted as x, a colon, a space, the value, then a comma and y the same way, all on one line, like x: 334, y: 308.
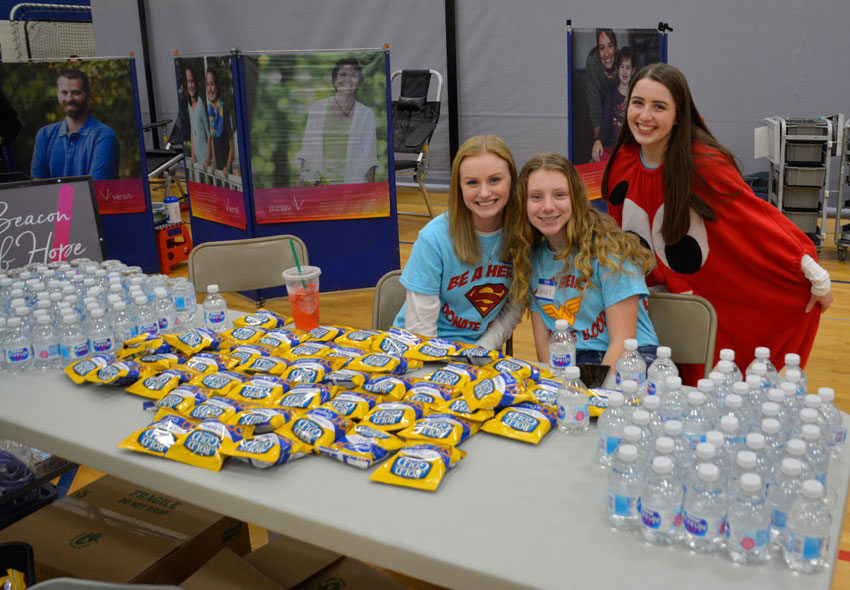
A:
x: 842, y: 233
x: 798, y: 151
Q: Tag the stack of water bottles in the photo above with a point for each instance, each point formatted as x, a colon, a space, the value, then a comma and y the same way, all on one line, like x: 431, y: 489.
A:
x: 741, y: 463
x: 53, y: 314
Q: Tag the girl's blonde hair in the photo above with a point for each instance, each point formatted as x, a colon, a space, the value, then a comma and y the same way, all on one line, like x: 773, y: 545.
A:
x: 464, y: 239
x: 590, y: 233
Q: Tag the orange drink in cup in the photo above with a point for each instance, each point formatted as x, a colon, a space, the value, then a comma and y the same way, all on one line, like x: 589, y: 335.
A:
x: 302, y: 286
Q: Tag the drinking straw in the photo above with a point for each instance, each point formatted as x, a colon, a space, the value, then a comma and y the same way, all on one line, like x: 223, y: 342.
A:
x: 297, y: 264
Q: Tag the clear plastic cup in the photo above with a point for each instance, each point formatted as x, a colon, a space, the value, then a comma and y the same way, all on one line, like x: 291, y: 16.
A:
x: 303, y: 290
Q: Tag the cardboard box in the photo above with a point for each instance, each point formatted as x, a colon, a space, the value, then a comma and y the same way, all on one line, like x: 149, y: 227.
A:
x: 228, y: 570
x: 115, y: 531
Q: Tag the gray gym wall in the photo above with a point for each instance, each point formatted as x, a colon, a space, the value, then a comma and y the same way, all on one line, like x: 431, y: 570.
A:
x: 745, y: 59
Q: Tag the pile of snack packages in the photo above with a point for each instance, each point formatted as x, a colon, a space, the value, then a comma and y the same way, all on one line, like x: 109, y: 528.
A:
x: 266, y: 394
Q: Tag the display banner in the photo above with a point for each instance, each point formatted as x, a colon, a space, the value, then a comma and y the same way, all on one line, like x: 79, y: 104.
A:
x: 601, y: 64
x: 210, y: 137
x: 79, y: 117
x: 318, y: 135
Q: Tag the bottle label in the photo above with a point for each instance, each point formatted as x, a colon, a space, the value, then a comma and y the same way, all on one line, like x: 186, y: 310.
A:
x: 101, y: 345
x: 561, y: 361
x: 652, y: 388
x: 694, y: 439
x: 708, y: 528
x: 18, y: 355
x: 608, y: 444
x: 573, y: 413
x: 152, y: 328
x: 619, y: 505
x: 180, y: 303
x: 215, y: 317
x: 805, y: 547
x: 837, y: 436
x: 748, y: 540
x: 659, y: 520
x: 75, y: 351
x: 778, y: 519
x: 163, y: 324
x: 639, y: 377
x: 51, y: 351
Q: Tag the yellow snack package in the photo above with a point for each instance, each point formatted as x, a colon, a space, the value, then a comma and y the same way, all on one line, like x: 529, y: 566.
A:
x: 80, y: 370
x: 181, y: 399
x: 211, y: 362
x: 389, y: 387
x: 454, y: 375
x: 385, y: 440
x: 262, y: 419
x: 327, y: 333
x: 264, y: 319
x: 396, y: 341
x: 419, y: 466
x: 148, y: 343
x: 516, y: 367
x: 356, y: 450
x: 305, y: 350
x: 597, y: 400
x: 120, y: 373
x: 260, y: 389
x: 161, y: 361
x: 544, y: 392
x: 264, y: 365
x: 526, y: 422
x: 347, y: 378
x: 13, y: 580
x: 349, y: 353
x: 459, y: 407
x: 318, y: 427
x: 432, y: 394
x: 476, y: 355
x: 312, y: 370
x: 494, y: 391
x: 245, y: 353
x: 362, y: 339
x: 216, y: 407
x: 283, y: 339
x: 351, y: 405
x: 307, y: 397
x: 219, y: 383
x: 433, y: 349
x: 264, y: 450
x: 440, y: 429
x: 158, y: 436
x: 393, y: 416
x: 201, y: 446
x: 155, y: 386
x: 243, y: 335
x: 194, y: 341
x: 383, y: 362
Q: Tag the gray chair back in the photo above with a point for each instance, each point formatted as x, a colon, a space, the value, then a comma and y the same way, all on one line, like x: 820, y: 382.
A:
x: 687, y: 324
x: 388, y: 299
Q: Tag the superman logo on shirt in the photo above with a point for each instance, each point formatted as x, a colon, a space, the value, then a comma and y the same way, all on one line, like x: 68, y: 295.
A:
x: 485, y: 298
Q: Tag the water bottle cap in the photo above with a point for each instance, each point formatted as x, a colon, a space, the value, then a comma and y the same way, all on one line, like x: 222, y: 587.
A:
x: 715, y: 437
x: 755, y: 441
x: 727, y: 354
x: 664, y: 444
x: 22, y: 311
x: 673, y: 382
x: 43, y: 319
x: 45, y: 303
x: 791, y: 466
x: 630, y: 344
x: 809, y: 415
x: 705, y: 451
x: 119, y: 306
x: 18, y: 301
x: 627, y: 453
x: 725, y: 366
x: 572, y: 372
x: 762, y: 352
x: 212, y: 288
x: 789, y: 388
x: 826, y: 394
x: 562, y: 325
x: 72, y: 299
x: 810, y: 432
x: 40, y: 312
x: 705, y: 386
x: 733, y: 401
x: 759, y: 369
x: 708, y: 472
x: 717, y: 378
x: 25, y: 276
x: 662, y: 465
x: 812, y: 489
x: 89, y: 282
x: 696, y: 398
x: 650, y: 402
x: 792, y: 359
x: 628, y: 386
x: 672, y: 428
x: 746, y: 459
x: 793, y: 375
x: 740, y: 388
x: 97, y: 313
x: 101, y: 272
x: 632, y: 433
x: 68, y: 290
x: 663, y: 352
x: 770, y: 425
x: 69, y: 318
x: 2, y: 321
x: 113, y: 298
x: 160, y: 293
x: 615, y: 399
x: 13, y: 322
x: 777, y: 396
x: 728, y: 424
x: 812, y: 401
x: 640, y: 417
x: 795, y: 447
x: 140, y: 300
x: 750, y: 482
x: 754, y: 381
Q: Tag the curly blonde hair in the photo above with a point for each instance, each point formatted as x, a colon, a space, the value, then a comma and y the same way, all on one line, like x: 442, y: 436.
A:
x: 590, y: 233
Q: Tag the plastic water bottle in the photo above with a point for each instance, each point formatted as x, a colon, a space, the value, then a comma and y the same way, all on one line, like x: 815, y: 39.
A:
x: 836, y: 433
x: 573, y: 404
x: 661, y: 368
x: 164, y: 310
x: 813, y: 402
x: 749, y: 410
x: 651, y: 404
x: 806, y: 543
x: 3, y: 330
x: 17, y: 346
x: 718, y: 441
x: 764, y: 466
x: 704, y: 512
x: 610, y: 428
x: 661, y: 503
x: 73, y: 343
x: 748, y: 522
x: 782, y: 492
x: 45, y: 345
x: 215, y: 310
x: 774, y: 446
x: 777, y: 397
x: 629, y: 389
x: 727, y: 369
x: 792, y: 363
x: 733, y: 406
x: 146, y: 322
x: 681, y: 455
x: 705, y: 453
x: 758, y: 385
x: 794, y: 377
x: 745, y: 462
x: 762, y: 356
x: 806, y: 416
x: 186, y: 302
x: 101, y: 336
x: 562, y: 348
x: 817, y: 455
x: 797, y: 448
x: 123, y: 325
x: 727, y: 354
x: 712, y: 404
x: 672, y: 400
x: 645, y: 441
x: 733, y: 437
x: 625, y: 481
x: 631, y: 366
x: 695, y: 421
x: 665, y: 447
x: 721, y: 390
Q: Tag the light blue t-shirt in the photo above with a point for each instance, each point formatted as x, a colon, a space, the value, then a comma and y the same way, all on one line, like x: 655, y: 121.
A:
x: 470, y: 296
x: 556, y: 297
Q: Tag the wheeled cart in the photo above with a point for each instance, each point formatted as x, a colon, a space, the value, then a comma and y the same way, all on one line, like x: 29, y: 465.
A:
x: 842, y: 232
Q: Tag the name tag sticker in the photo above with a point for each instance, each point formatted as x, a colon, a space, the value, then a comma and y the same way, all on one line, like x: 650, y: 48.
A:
x: 546, y: 289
